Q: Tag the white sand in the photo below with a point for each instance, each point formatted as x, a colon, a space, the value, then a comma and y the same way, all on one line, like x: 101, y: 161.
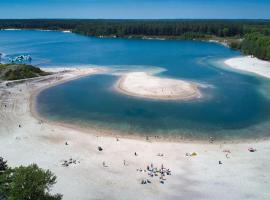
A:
x: 250, y: 64
x: 142, y: 84
x: 244, y: 175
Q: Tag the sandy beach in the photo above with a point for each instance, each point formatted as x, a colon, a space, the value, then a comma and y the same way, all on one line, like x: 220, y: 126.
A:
x: 116, y: 172
x: 250, y: 64
x: 142, y: 84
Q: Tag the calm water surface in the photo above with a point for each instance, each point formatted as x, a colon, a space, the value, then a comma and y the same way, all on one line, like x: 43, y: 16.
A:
x: 234, y: 104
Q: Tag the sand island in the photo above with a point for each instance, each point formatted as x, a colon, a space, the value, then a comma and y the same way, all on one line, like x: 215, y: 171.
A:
x: 142, y: 84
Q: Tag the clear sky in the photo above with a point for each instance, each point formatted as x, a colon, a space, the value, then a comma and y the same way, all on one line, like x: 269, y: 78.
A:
x: 136, y: 9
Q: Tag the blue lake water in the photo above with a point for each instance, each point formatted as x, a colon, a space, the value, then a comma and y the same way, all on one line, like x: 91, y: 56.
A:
x: 234, y: 105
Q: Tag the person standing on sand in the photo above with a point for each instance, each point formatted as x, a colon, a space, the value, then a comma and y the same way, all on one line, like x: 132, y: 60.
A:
x: 125, y: 163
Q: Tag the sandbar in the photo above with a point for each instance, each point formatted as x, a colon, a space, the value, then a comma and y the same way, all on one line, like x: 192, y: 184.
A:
x: 142, y: 84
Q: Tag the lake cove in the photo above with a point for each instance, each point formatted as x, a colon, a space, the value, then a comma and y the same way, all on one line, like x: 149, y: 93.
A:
x: 232, y: 105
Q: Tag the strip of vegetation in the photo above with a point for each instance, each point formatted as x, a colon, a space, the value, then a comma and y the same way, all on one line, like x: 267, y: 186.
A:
x: 19, y: 71
x: 21, y: 183
x: 256, y: 44
x: 249, y: 36
x: 120, y: 28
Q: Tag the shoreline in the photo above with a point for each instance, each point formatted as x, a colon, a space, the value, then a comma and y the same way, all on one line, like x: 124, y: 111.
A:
x: 115, y: 133
x: 249, y: 65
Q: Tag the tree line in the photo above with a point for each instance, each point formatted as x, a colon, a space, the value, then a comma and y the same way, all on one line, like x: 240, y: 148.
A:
x: 255, y: 33
x: 220, y: 28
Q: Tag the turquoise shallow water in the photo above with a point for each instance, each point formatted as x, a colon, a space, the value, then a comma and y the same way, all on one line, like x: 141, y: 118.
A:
x: 234, y: 105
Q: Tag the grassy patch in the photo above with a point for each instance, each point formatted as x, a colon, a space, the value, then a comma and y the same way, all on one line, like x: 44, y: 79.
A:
x: 20, y: 71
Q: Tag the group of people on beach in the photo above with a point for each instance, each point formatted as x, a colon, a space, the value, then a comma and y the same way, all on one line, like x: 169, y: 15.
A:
x: 153, y: 171
x: 69, y: 162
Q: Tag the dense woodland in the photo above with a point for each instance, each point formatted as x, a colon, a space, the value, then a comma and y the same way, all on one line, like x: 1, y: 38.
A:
x: 254, y: 34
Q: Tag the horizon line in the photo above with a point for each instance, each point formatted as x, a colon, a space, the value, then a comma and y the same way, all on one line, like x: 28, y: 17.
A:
x: 266, y: 19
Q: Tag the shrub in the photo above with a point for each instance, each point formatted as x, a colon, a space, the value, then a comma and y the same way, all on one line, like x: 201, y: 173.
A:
x: 31, y: 183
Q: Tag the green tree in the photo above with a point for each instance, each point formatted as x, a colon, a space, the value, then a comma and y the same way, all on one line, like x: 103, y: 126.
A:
x: 27, y: 183
x: 3, y: 165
